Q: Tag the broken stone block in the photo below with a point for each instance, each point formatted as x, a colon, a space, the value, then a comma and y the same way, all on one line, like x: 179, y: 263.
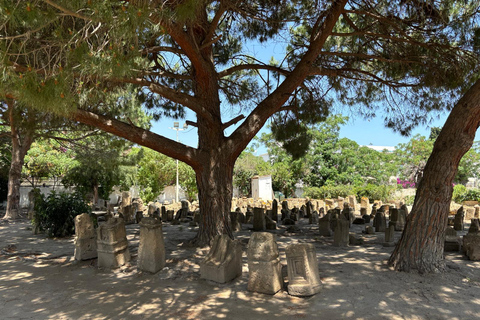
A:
x: 151, y: 250
x: 270, y: 224
x: 358, y: 221
x: 355, y: 240
x: 112, y: 245
x: 275, y: 210
x: 264, y: 268
x: 313, y: 218
x: 223, y: 262
x: 302, y: 266
x: 341, y: 234
x: 471, y: 242
x: 85, y: 238
x: 369, y: 230
x: 236, y: 225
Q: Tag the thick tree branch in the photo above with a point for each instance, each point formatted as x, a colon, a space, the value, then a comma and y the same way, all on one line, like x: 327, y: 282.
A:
x: 233, y: 121
x: 251, y: 66
x: 255, y: 121
x: 140, y: 136
x: 66, y: 11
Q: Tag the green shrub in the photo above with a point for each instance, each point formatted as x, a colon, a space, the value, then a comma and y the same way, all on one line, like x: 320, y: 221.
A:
x: 328, y: 191
x: 374, y: 192
x: 55, y: 213
x: 409, y: 200
x: 459, y: 191
x: 471, y: 195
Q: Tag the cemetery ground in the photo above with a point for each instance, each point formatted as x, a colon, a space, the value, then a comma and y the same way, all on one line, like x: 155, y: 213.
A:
x: 39, y: 279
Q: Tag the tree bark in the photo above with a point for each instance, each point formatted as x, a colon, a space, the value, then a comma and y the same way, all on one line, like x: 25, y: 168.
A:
x: 20, y: 148
x: 422, y: 243
x: 215, y: 185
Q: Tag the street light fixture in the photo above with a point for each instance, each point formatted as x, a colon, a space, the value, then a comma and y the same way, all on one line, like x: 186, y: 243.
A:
x: 176, y: 127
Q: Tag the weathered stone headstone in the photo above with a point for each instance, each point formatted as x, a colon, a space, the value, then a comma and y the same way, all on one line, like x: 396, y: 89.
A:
x: 459, y: 217
x: 471, y: 241
x: 240, y: 216
x: 151, y: 209
x: 452, y: 241
x: 352, y: 201
x: 85, y: 238
x: 249, y: 215
x: 341, y: 233
x: 302, y: 266
x: 264, y: 268
x: 31, y: 204
x: 295, y: 214
x: 334, y: 215
x: 164, y: 215
x: 112, y: 245
x: 128, y: 214
x: 270, y: 224
x: 355, y: 240
x: 275, y: 210
x: 313, y: 218
x: 389, y: 235
x: 258, y: 219
x: 151, y: 250
x: 223, y: 262
x: 324, y: 226
x: 126, y: 199
x: 477, y: 211
x: 309, y: 210
x: 170, y: 215
x: 234, y: 218
x: 379, y: 222
x: 364, y: 202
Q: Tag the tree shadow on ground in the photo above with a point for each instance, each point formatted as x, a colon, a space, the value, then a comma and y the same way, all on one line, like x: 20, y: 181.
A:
x: 356, y: 283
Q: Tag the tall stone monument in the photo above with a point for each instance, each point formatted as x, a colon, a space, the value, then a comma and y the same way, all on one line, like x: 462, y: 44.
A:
x: 85, y: 238
x: 151, y: 251
x: 112, y: 245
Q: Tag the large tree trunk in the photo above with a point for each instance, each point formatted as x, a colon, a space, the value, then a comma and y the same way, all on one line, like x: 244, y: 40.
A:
x: 214, y: 183
x: 20, y: 147
x: 421, y: 246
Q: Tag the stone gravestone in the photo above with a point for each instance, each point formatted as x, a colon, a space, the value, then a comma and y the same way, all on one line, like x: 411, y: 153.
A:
x: 309, y: 211
x: 151, y: 209
x: 170, y: 214
x: 163, y: 211
x: 369, y: 230
x: 364, y: 202
x: 452, y: 242
x: 314, y: 216
x: 240, y: 215
x: 471, y: 241
x: 341, y: 233
x: 258, y: 219
x: 352, y: 201
x: 234, y: 219
x: 334, y: 214
x: 285, y: 211
x: 458, y: 221
x: 128, y: 214
x: 85, y: 238
x: 31, y: 204
x: 275, y: 210
x: 270, y: 224
x: 477, y: 211
x: 379, y: 222
x: 324, y: 225
x: 223, y: 262
x: 249, y: 215
x: 302, y: 266
x: 151, y: 250
x: 389, y: 235
x: 264, y: 268
x: 112, y: 245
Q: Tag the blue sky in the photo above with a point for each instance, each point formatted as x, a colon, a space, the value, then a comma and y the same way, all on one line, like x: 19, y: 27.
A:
x: 364, y: 132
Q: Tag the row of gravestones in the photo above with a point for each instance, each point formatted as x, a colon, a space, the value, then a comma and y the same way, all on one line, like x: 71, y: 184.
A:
x: 223, y: 263
x: 109, y: 243
x: 470, y: 243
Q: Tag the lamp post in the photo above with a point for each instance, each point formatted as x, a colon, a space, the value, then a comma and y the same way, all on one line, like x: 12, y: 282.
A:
x: 176, y: 126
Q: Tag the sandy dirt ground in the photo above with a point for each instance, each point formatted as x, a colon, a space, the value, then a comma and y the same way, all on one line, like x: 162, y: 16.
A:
x: 39, y: 279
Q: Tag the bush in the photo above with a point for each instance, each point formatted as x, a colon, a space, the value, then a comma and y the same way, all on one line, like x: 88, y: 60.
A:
x: 471, y: 195
x: 328, y: 191
x: 374, y: 192
x: 55, y: 213
x: 409, y: 200
x: 458, y: 193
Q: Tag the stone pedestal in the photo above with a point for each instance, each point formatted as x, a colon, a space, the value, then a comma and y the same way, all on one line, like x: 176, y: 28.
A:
x: 258, y: 219
x: 112, y: 245
x: 379, y: 222
x: 389, y: 235
x: 302, y: 265
x: 452, y: 242
x: 264, y: 268
x: 341, y: 234
x: 85, y: 238
x: 275, y: 210
x: 224, y: 261
x: 151, y: 251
